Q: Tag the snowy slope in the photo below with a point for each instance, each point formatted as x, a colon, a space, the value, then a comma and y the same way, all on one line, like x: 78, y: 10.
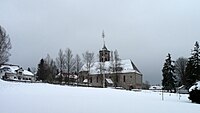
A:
x: 46, y: 98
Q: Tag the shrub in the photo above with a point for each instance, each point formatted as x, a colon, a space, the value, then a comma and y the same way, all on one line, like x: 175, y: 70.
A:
x: 194, y: 96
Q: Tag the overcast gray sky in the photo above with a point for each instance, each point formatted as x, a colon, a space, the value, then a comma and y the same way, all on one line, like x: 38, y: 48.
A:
x: 141, y: 30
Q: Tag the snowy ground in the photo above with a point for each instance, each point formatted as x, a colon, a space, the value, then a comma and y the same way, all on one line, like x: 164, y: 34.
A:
x: 46, y: 98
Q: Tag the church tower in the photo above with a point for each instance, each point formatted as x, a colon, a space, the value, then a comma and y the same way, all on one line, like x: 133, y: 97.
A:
x: 104, y: 53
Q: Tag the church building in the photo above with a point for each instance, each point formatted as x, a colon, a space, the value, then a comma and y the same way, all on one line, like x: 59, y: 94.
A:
x: 106, y: 73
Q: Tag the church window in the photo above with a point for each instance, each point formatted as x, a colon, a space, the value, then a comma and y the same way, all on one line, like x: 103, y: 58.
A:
x: 90, y: 79
x: 124, y: 79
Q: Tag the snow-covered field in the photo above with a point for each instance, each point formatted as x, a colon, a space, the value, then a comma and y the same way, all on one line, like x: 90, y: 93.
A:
x: 46, y: 98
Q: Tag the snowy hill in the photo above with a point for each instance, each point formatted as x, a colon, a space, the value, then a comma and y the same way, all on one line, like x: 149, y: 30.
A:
x: 46, y: 98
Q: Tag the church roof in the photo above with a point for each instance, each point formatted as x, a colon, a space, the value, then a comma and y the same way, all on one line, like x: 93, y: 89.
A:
x: 104, y: 47
x: 127, y: 67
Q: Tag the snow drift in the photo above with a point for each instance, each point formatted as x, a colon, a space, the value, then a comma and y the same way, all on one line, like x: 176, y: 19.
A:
x: 46, y: 98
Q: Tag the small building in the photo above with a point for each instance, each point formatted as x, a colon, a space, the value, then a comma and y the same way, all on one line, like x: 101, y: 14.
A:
x: 155, y: 88
x: 128, y: 76
x: 16, y: 73
x: 182, y: 90
x: 67, y: 77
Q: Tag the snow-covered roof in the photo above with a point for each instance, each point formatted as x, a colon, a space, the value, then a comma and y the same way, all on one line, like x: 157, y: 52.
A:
x: 9, y: 68
x: 127, y: 67
x: 25, y: 72
x: 14, y: 68
x: 195, y: 86
x: 155, y: 88
x: 73, y: 76
x: 109, y: 80
x: 85, y: 81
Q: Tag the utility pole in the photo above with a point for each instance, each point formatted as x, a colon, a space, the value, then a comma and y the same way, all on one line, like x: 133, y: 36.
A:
x: 162, y: 94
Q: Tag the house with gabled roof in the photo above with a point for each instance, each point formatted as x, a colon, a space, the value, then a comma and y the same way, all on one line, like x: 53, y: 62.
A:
x: 16, y: 73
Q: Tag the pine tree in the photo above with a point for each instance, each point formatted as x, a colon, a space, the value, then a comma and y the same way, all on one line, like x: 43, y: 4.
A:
x: 169, y: 78
x: 41, y: 70
x: 193, y: 67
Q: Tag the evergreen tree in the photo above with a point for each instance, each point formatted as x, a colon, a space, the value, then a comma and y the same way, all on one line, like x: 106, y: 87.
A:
x: 169, y: 78
x: 41, y: 70
x: 193, y: 67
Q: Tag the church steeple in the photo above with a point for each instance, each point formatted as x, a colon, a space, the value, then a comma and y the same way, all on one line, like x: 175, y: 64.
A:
x: 104, y: 43
x: 104, y: 53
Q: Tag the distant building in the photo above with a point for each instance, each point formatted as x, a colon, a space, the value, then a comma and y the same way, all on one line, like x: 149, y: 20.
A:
x: 182, y: 90
x: 128, y: 77
x: 155, y: 87
x: 73, y: 77
x: 16, y: 73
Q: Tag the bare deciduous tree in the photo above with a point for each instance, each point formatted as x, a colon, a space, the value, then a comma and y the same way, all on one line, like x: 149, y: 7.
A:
x: 48, y: 59
x: 78, y: 65
x: 60, y: 60
x: 180, y: 66
x: 51, y: 69
x: 69, y: 63
x: 99, y: 66
x: 33, y: 70
x: 5, y: 46
x: 115, y: 66
x: 88, y: 59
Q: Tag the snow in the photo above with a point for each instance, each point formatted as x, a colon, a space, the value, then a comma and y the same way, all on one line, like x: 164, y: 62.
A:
x: 155, y: 87
x: 85, y: 81
x: 195, y: 86
x: 10, y: 68
x: 125, y: 64
x: 109, y: 80
x: 73, y: 76
x: 25, y: 72
x: 46, y: 98
x: 13, y: 68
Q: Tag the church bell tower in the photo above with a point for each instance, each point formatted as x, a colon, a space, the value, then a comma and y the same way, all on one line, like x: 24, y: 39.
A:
x: 104, y: 53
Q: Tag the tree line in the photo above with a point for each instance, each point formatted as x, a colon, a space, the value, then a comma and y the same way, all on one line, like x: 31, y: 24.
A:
x: 58, y: 70
x: 183, y: 71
